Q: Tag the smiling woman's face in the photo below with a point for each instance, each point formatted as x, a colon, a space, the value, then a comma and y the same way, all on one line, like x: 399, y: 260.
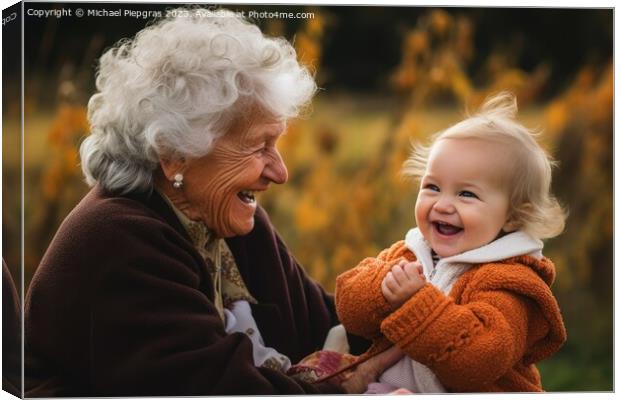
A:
x: 219, y: 188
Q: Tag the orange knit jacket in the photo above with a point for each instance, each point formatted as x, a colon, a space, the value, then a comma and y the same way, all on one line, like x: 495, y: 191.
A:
x: 499, y: 319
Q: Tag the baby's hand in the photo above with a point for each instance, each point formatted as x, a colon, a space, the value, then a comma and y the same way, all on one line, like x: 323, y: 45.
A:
x: 402, y: 282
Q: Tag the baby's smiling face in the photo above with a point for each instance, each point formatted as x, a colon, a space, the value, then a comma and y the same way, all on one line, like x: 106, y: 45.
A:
x: 463, y: 202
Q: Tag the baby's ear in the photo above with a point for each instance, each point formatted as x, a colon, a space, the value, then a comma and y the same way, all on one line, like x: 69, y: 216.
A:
x: 511, y: 224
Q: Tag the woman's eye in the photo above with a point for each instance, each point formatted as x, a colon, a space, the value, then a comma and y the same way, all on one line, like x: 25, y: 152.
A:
x: 467, y: 193
x: 432, y: 187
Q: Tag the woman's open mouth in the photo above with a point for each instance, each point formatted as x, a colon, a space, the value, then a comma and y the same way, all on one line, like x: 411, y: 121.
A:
x: 247, y: 196
x: 446, y: 229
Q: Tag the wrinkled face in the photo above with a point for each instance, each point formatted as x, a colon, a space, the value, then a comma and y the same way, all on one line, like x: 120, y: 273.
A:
x: 462, y: 203
x: 220, y: 186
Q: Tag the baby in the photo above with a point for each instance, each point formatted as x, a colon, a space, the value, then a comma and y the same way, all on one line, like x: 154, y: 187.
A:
x: 467, y: 294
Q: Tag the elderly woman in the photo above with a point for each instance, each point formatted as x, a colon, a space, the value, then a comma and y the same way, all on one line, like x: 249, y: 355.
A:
x: 168, y: 278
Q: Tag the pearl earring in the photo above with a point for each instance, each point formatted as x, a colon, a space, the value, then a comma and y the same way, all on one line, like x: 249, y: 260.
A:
x: 178, y: 181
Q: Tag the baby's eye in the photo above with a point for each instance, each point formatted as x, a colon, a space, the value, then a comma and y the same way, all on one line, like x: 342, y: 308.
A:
x: 432, y: 187
x: 467, y: 193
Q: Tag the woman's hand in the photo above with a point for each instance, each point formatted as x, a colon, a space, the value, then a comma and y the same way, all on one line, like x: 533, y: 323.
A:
x: 402, y: 282
x: 369, y: 371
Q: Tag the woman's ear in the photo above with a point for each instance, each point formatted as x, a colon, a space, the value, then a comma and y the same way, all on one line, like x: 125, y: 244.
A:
x: 172, y: 166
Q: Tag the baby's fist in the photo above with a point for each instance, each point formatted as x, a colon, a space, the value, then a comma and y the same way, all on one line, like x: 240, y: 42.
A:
x: 403, y: 281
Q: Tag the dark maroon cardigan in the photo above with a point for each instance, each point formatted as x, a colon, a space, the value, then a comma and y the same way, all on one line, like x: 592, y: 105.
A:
x: 11, y: 335
x: 122, y: 305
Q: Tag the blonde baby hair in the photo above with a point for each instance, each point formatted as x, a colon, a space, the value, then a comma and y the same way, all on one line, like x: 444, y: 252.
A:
x: 534, y: 209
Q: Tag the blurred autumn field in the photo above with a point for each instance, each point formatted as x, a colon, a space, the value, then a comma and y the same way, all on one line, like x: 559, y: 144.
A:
x: 345, y: 199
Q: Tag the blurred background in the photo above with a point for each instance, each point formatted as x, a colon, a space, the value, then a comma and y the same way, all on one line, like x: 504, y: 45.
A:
x: 388, y: 75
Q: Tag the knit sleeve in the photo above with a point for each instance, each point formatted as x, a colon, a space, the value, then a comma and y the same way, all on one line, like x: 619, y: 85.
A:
x: 467, y: 346
x: 359, y: 302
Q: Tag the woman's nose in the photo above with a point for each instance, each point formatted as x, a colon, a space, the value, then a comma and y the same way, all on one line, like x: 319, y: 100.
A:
x: 276, y: 170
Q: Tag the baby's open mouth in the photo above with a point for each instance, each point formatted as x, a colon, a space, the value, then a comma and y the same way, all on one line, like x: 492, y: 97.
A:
x: 247, y: 196
x: 446, y: 229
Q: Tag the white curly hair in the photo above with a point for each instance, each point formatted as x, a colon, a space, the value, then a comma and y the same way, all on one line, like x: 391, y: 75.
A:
x: 179, y: 85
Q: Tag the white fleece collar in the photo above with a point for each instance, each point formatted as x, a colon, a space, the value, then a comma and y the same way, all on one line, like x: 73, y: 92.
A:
x: 511, y: 245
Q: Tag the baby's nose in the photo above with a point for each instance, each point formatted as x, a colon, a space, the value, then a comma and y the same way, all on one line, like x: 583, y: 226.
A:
x: 444, y: 205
